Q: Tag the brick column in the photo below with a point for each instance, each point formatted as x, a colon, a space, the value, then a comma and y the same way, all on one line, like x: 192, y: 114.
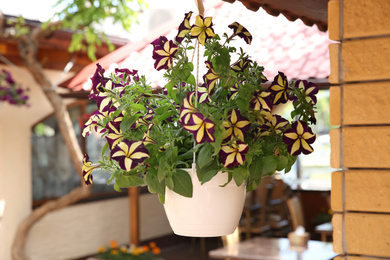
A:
x: 360, y: 146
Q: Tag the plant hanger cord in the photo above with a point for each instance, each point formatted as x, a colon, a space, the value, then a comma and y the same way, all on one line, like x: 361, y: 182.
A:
x: 199, y: 5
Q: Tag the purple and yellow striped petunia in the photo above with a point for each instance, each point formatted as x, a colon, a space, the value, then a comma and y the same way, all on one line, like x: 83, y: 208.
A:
x: 279, y: 89
x: 298, y: 138
x: 236, y: 126
x: 234, y: 154
x: 202, y: 29
x: 277, y: 124
x: 241, y: 64
x: 129, y: 154
x: 87, y: 169
x: 184, y: 28
x: 114, y: 135
x: 241, y: 31
x: 163, y: 52
x: 202, y: 128
x: 309, y: 90
x: 261, y: 100
x: 210, y: 78
x: 187, y: 109
x: 93, y: 123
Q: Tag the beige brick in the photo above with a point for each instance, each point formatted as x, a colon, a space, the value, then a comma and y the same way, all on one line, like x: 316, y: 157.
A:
x: 367, y: 59
x: 366, y: 147
x: 360, y: 183
x: 361, y: 258
x: 367, y: 234
x: 337, y: 223
x: 366, y: 18
x: 340, y: 258
x: 336, y: 200
x: 334, y: 57
x: 334, y: 20
x: 335, y: 161
x: 367, y: 103
x: 334, y: 105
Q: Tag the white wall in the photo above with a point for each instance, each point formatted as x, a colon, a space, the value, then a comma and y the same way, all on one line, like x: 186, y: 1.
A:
x: 79, y: 230
x: 74, y: 231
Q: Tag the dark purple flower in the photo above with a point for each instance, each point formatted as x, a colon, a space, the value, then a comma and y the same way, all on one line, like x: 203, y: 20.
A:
x: 261, y: 100
x: 234, y: 154
x: 202, y: 29
x: 279, y: 89
x: 241, y: 64
x: 201, y: 127
x: 129, y: 154
x: 236, y: 126
x: 87, y: 170
x: 210, y: 78
x: 308, y: 89
x: 163, y: 52
x: 298, y: 138
x: 241, y: 31
x: 184, y: 28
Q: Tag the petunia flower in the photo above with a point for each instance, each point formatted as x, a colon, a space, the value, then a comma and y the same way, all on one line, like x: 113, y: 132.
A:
x: 187, y: 109
x: 298, y: 138
x: 233, y: 91
x: 234, y: 154
x: 126, y: 73
x: 202, y: 128
x: 241, y: 31
x: 87, y: 169
x: 236, y: 126
x: 202, y: 29
x: 309, y: 90
x: 261, y: 100
x: 93, y: 123
x: 210, y: 78
x: 279, y: 89
x: 129, y: 154
x: 241, y: 64
x: 163, y: 53
x: 277, y: 124
x: 114, y: 135
x: 97, y: 80
x: 184, y: 28
x: 203, y: 95
x: 147, y: 139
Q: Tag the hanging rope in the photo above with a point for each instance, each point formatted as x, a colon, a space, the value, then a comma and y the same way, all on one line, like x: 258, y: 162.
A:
x: 199, y: 5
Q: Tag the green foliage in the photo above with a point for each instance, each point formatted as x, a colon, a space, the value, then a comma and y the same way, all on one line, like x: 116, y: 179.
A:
x: 246, y: 145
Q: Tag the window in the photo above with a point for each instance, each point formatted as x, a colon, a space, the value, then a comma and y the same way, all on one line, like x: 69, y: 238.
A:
x: 52, y: 169
x: 313, y: 171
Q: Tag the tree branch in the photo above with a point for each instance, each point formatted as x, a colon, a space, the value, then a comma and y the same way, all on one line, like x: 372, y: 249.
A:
x: 28, y: 48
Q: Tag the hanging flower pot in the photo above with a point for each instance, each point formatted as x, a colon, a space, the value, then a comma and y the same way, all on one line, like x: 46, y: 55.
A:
x: 212, y: 211
x: 222, y: 123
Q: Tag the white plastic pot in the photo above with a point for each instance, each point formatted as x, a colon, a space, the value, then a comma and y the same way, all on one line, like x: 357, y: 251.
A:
x: 212, y: 211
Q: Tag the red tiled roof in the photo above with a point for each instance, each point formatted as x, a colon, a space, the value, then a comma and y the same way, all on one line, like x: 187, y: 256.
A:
x: 278, y: 44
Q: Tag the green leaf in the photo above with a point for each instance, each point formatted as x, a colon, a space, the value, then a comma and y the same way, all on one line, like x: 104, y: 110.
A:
x: 138, y: 107
x: 154, y: 185
x: 282, y: 163
x: 256, y: 168
x: 105, y: 149
x: 183, y: 74
x: 204, y: 156
x: 191, y: 80
x: 161, y: 198
x: 269, y: 165
x: 128, y: 181
x: 209, y: 175
x: 182, y: 183
x: 169, y: 182
x: 213, y: 165
x: 240, y: 174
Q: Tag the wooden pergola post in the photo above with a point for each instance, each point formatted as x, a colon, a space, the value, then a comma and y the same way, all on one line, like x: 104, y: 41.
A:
x: 134, y: 215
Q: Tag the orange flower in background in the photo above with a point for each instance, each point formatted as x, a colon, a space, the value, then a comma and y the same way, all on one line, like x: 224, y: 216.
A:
x: 113, y: 244
x: 156, y: 250
x: 102, y: 249
x: 145, y: 248
x: 114, y: 251
x: 152, y: 244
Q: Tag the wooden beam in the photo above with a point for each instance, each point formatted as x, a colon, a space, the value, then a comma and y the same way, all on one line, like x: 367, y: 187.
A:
x: 134, y: 215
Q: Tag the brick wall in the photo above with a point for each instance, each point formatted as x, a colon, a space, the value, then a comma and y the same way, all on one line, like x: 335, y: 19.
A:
x: 360, y: 146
